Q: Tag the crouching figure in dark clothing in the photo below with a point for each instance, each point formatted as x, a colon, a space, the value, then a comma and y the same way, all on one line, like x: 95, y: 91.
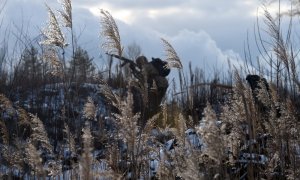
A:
x: 152, y: 88
x: 264, y: 106
x: 149, y: 86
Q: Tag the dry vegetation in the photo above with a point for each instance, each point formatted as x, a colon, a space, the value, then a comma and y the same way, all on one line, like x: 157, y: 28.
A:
x: 53, y: 121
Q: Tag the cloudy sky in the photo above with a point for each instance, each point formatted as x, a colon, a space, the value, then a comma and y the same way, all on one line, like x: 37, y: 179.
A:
x: 203, y: 32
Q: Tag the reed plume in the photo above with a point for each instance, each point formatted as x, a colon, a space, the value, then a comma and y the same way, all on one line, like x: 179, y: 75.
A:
x: 110, y: 34
x: 53, y: 33
x: 33, y: 159
x: 171, y: 55
x: 89, y: 110
x: 50, y: 55
x: 112, y: 98
x: 66, y: 13
x: 86, y: 160
x: 39, y: 135
x: 4, y: 135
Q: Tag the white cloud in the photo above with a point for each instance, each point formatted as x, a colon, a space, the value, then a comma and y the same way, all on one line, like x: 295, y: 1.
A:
x: 203, y: 32
x: 200, y: 49
x: 196, y: 47
x: 225, y: 21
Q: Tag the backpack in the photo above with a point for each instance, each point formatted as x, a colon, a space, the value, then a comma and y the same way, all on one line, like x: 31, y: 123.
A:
x: 161, y: 66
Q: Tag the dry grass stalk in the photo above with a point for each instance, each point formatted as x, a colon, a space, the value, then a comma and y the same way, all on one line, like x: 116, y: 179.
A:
x: 165, y: 115
x: 5, y: 103
x: 187, y: 167
x: 67, y: 12
x: 150, y: 124
x: 165, y: 171
x: 14, y: 154
x: 112, y: 98
x: 33, y: 159
x: 89, y: 110
x: 4, y: 135
x: 127, y: 122
x: 51, y: 56
x: 234, y: 118
x: 279, y: 45
x: 180, y: 125
x: 39, y: 134
x: 171, y: 55
x: 24, y: 118
x: 110, y: 33
x: 211, y: 135
x: 53, y: 34
x: 70, y: 141
x: 86, y: 160
x: 182, y: 161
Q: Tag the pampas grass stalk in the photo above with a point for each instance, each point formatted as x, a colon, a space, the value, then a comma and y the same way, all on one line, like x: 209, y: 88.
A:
x: 53, y: 33
x: 110, y: 34
x: 86, y: 160
x: 4, y: 135
x: 66, y: 13
x: 34, y: 160
x: 89, y: 111
x: 39, y: 134
x: 171, y: 55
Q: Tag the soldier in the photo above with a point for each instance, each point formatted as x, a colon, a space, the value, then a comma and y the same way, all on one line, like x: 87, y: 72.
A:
x: 151, y: 85
x: 254, y: 82
x: 263, y: 106
x: 153, y: 75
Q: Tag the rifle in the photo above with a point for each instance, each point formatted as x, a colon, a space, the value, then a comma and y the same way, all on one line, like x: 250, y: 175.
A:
x: 126, y: 60
x: 133, y: 66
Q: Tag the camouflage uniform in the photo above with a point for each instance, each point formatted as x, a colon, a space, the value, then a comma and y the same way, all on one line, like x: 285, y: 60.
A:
x: 153, y: 85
